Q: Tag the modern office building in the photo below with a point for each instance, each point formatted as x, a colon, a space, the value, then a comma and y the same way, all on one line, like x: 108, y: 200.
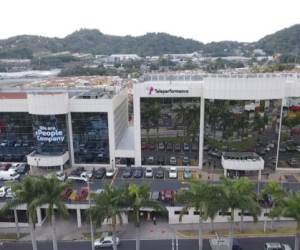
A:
x: 193, y: 120
x: 53, y: 123
x: 179, y: 120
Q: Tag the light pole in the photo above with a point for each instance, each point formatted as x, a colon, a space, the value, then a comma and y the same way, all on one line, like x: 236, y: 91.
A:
x: 37, y: 160
x: 91, y: 222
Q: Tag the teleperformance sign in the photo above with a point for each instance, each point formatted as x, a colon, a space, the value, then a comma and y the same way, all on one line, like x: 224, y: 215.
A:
x: 153, y: 90
x: 49, y: 134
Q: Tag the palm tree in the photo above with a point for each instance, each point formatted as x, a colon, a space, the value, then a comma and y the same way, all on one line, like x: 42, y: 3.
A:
x: 247, y: 200
x: 27, y: 193
x: 292, y: 209
x: 277, y: 193
x: 50, y: 195
x: 139, y: 197
x: 109, y: 206
x: 194, y: 197
x: 214, y: 201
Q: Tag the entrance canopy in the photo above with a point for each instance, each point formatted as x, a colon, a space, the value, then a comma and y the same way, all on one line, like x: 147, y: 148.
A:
x: 242, y: 161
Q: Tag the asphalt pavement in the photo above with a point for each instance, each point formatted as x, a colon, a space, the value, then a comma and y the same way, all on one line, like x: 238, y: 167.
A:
x: 246, y: 244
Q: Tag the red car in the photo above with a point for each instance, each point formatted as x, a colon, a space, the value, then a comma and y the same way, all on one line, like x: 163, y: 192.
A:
x: 83, y: 194
x: 66, y: 193
x: 5, y: 167
x: 167, y: 195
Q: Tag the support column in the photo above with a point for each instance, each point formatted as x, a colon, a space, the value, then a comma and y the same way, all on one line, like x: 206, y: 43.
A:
x: 259, y: 175
x: 62, y: 168
x: 78, y: 218
x: 39, y: 216
x: 148, y: 216
x: 225, y: 172
x: 201, y: 132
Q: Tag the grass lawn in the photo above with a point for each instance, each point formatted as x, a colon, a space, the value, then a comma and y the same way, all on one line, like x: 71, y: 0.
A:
x: 11, y: 236
x: 284, y: 231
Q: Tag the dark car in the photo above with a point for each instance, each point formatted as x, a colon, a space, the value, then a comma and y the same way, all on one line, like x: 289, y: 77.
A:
x: 22, y: 168
x: 177, y: 147
x: 99, y: 173
x: 160, y: 173
x: 127, y: 172
x: 169, y: 146
x: 77, y: 171
x: 138, y: 172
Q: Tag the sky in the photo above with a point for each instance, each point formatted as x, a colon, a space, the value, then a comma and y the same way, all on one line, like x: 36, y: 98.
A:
x: 202, y: 20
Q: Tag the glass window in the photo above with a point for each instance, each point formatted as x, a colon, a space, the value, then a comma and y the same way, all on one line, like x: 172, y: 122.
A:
x: 16, y: 136
x: 90, y: 137
x: 170, y: 131
x: 241, y: 126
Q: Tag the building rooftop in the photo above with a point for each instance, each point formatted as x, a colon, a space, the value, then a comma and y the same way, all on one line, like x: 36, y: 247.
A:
x: 194, y: 76
x: 83, y: 87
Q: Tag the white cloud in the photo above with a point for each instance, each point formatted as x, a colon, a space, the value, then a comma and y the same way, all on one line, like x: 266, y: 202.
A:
x: 203, y: 20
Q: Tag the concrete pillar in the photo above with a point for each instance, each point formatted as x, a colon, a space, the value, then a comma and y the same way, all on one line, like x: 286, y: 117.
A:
x: 201, y: 134
x: 148, y: 216
x: 259, y: 175
x: 70, y: 138
x: 78, y: 218
x: 225, y: 172
x: 62, y: 168
x: 39, y: 216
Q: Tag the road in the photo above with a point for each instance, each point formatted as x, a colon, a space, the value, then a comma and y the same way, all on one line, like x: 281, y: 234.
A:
x: 246, y: 243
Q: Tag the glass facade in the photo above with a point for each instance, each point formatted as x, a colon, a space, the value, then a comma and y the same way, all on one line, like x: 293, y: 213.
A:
x: 289, y: 147
x: 90, y: 137
x: 16, y: 136
x: 170, y: 131
x: 50, y: 134
x: 241, y: 126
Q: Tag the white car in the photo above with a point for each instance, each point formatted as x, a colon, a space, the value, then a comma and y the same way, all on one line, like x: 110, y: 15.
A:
x: 276, y: 246
x: 60, y: 175
x: 9, y: 193
x: 173, y: 173
x: 105, y: 242
x: 110, y: 172
x: 148, y: 173
x: 3, y: 191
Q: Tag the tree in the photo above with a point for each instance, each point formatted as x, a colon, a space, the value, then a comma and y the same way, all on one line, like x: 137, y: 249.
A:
x: 291, y: 209
x: 138, y: 197
x: 274, y: 193
x: 50, y: 195
x: 195, y: 197
x: 109, y: 205
x: 27, y: 193
x: 247, y: 199
x: 214, y: 202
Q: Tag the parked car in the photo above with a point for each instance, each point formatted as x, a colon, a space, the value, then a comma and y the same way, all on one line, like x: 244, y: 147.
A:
x: 9, y: 175
x: 83, y: 194
x: 167, y: 195
x: 169, y: 146
x: 172, y: 160
x: 293, y: 162
x: 10, y: 193
x: 186, y: 147
x: 5, y: 167
x: 186, y: 160
x: 22, y: 168
x: 99, y: 173
x: 155, y: 195
x: 151, y: 146
x: 187, y: 173
x: 66, y: 193
x: 127, y: 172
x: 177, y: 147
x: 77, y: 171
x: 173, y: 173
x: 110, y: 172
x: 276, y: 246
x: 138, y: 172
x: 161, y: 146
x: 105, y: 242
x: 148, y: 172
x: 3, y: 190
x: 160, y: 174
x: 150, y: 160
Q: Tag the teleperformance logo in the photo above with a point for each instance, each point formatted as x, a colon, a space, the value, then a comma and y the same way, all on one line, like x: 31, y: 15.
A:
x: 152, y: 90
